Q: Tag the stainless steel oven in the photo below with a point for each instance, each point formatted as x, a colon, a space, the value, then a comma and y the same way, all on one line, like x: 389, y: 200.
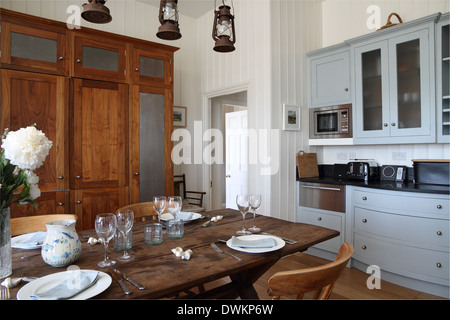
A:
x: 331, y: 122
x: 322, y: 196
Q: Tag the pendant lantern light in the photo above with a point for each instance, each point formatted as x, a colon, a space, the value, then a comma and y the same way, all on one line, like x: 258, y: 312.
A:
x: 96, y: 12
x: 223, y: 32
x: 168, y: 17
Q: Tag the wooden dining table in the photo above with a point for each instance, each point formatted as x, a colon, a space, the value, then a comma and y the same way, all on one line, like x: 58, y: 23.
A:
x: 166, y: 275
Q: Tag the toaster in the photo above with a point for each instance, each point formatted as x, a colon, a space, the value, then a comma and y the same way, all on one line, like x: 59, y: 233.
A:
x: 362, y: 170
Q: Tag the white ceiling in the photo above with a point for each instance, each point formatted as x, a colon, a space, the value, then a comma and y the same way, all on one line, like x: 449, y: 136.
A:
x: 191, y: 8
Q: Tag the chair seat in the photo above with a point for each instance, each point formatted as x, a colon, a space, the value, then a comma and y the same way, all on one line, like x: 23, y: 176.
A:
x: 189, y: 207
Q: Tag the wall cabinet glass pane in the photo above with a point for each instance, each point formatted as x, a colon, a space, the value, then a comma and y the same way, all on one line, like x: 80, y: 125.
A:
x: 32, y: 47
x: 98, y: 58
x: 372, y: 93
x: 151, y: 145
x: 151, y: 67
x: 408, y: 84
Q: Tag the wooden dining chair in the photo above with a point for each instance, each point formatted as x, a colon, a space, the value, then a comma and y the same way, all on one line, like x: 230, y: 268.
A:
x: 143, y: 211
x: 319, y: 279
x: 23, y: 225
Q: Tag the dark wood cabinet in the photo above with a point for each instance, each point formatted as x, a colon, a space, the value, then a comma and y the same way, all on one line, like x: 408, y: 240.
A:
x: 93, y: 94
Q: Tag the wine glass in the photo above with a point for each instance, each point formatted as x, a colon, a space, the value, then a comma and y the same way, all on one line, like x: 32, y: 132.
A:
x: 243, y: 206
x: 255, y: 202
x: 125, y: 220
x: 105, y: 226
x: 159, y: 204
x: 174, y: 205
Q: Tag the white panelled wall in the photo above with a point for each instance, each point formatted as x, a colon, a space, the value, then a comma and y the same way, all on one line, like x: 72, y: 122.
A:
x: 269, y: 62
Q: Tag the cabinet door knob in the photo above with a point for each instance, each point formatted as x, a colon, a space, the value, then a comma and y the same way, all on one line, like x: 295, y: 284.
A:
x: 77, y: 177
x: 364, y: 220
x: 439, y: 265
x: 61, y: 58
x: 136, y: 69
x: 364, y: 198
x: 439, y: 206
x: 393, y: 124
x: 60, y: 177
x: 319, y: 218
x: 78, y: 60
x: 439, y: 233
x: 385, y: 124
x: 60, y: 204
x: 364, y: 247
x: 79, y: 202
x: 136, y: 173
x: 346, y: 89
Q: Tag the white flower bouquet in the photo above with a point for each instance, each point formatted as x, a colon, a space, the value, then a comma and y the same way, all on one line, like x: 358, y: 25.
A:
x: 21, y: 152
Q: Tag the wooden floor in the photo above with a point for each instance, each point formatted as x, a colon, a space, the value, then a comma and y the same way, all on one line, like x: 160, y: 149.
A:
x: 351, y: 284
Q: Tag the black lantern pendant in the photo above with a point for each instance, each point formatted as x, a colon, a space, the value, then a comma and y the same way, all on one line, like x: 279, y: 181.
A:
x: 223, y: 28
x: 168, y: 17
x: 95, y: 11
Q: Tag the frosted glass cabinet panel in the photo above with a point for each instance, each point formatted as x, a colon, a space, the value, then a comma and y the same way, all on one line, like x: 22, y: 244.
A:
x: 151, y: 68
x: 443, y: 78
x: 394, y: 95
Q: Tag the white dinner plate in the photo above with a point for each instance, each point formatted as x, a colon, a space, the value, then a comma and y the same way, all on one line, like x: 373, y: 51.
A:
x: 183, y: 215
x: 279, y: 244
x: 23, y: 241
x: 44, y: 283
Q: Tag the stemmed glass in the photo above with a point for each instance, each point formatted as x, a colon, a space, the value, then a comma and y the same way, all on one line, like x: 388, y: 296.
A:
x: 255, y: 202
x: 243, y: 205
x: 105, y: 226
x: 159, y: 204
x: 125, y: 220
x: 174, y: 205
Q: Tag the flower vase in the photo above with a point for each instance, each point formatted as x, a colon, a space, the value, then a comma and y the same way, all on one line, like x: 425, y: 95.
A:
x: 5, y: 243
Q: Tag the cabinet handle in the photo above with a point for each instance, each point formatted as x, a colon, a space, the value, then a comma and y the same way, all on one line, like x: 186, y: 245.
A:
x: 439, y: 206
x: 77, y: 177
x: 78, y: 60
x: 61, y: 58
x: 79, y: 202
x: 385, y: 124
x: 346, y: 89
x: 136, y: 173
x: 136, y: 69
x: 60, y: 177
x: 319, y: 218
x: 60, y: 204
x: 364, y: 247
x: 393, y: 124
x: 364, y: 220
x: 364, y: 198
x: 438, y: 265
x: 439, y: 233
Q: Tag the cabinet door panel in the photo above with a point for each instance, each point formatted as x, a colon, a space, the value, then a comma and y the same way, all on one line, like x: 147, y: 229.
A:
x: 87, y: 203
x: 151, y: 68
x: 47, y: 203
x: 99, y: 131
x: 152, y: 170
x: 29, y: 98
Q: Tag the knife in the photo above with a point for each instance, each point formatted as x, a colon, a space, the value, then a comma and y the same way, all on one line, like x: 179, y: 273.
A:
x: 120, y: 281
x: 203, y: 225
x: 134, y: 283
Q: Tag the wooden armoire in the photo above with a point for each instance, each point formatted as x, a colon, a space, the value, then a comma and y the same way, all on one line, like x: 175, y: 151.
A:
x: 106, y: 103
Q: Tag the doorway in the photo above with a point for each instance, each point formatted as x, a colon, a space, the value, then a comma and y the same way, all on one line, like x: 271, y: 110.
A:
x: 229, y: 115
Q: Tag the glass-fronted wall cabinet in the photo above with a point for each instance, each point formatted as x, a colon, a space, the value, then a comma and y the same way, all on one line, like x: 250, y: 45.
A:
x: 443, y: 79
x: 394, y: 91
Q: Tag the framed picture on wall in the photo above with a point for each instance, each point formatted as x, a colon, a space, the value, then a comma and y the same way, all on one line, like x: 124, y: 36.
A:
x: 291, y: 117
x: 179, y: 117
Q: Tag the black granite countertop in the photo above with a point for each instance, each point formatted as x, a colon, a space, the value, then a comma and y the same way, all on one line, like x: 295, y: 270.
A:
x: 407, y: 186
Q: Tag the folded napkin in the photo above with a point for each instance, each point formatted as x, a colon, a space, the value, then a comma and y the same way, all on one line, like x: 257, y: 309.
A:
x: 34, y: 240
x: 184, y: 216
x: 254, y: 243
x: 77, y: 282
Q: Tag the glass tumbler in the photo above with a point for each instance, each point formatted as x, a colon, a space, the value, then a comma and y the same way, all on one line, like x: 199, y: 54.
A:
x: 153, y: 234
x: 175, y: 229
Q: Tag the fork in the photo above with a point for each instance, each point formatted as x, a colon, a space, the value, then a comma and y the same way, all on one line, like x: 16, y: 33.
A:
x: 215, y: 247
x: 4, y: 293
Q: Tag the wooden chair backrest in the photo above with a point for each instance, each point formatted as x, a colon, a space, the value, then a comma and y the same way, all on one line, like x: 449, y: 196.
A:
x: 37, y: 223
x: 143, y: 211
x: 319, y: 279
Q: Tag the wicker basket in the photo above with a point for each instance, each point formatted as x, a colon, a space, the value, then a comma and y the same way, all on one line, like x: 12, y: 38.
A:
x: 389, y: 23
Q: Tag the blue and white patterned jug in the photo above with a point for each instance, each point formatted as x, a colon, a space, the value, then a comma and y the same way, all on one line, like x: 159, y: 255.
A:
x: 61, y: 246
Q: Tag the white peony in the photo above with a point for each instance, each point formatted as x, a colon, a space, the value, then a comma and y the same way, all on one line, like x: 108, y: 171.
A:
x: 26, y: 147
x: 32, y: 178
x: 35, y: 192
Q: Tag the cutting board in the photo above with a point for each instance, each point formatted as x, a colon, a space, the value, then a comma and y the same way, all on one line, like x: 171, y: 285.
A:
x: 307, y: 165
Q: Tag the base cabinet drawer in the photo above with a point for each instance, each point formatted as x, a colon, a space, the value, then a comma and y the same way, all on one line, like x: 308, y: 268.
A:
x: 324, y: 219
x: 423, y: 264
x: 423, y: 231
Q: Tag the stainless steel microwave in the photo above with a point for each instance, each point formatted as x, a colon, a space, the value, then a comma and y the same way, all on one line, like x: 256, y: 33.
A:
x: 331, y: 122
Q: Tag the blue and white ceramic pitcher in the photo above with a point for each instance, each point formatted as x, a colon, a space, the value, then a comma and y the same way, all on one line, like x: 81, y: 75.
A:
x: 61, y: 246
